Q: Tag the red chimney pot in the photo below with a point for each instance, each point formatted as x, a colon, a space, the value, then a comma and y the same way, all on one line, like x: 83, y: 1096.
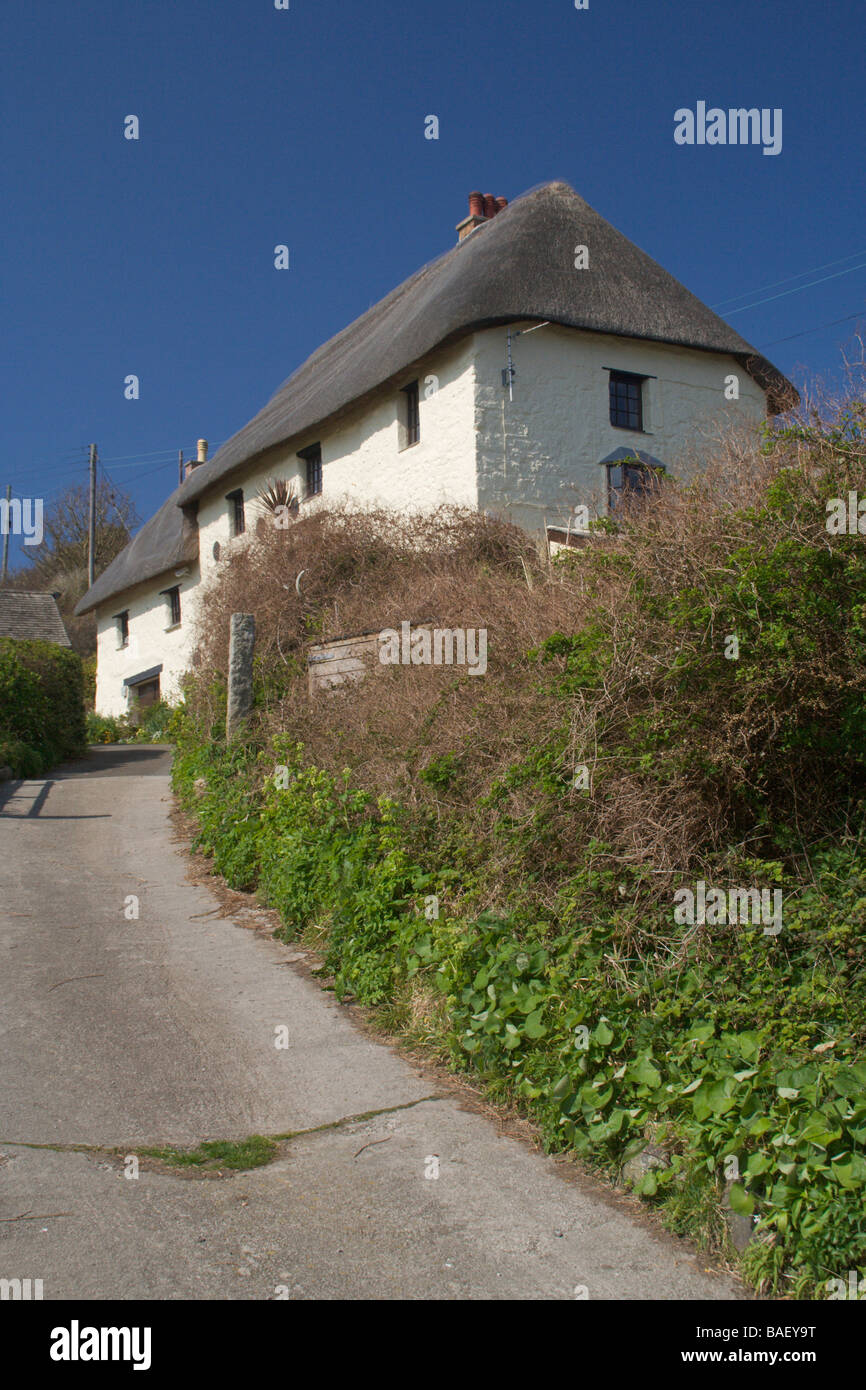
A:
x: 476, y: 204
x: 490, y: 208
x: 501, y: 203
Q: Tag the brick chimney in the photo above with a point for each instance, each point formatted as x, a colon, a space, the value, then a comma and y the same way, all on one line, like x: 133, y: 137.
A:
x: 482, y: 207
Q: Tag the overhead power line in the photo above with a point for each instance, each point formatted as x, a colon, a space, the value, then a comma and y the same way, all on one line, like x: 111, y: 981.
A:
x: 788, y: 278
x: 861, y: 313
x: 796, y: 290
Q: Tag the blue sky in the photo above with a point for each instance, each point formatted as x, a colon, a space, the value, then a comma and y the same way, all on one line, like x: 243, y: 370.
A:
x: 306, y: 127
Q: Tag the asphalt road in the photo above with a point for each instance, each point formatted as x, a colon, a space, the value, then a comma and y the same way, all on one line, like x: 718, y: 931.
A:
x: 120, y: 1032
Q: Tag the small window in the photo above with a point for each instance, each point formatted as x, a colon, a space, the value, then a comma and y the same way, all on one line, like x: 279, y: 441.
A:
x: 121, y: 621
x: 237, y: 520
x: 172, y: 598
x: 626, y: 400
x: 313, y: 459
x: 411, y: 433
x: 630, y: 481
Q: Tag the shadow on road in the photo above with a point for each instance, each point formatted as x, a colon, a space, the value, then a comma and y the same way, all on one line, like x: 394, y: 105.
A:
x: 25, y: 797
x: 118, y: 760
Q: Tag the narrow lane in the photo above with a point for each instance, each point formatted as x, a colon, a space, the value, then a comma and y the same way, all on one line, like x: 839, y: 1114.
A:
x: 120, y: 1031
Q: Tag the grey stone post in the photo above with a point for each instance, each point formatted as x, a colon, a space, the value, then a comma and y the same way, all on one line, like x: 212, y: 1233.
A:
x: 241, y: 647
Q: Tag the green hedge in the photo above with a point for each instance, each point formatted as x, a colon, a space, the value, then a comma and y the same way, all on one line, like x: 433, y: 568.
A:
x: 41, y: 706
x: 745, y: 1052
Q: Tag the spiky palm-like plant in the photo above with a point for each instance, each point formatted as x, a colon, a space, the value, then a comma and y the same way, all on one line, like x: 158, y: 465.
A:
x: 279, y: 493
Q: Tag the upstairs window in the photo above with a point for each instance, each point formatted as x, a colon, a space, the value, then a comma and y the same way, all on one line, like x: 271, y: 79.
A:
x: 313, y: 459
x: 410, y: 432
x: 121, y: 622
x: 631, y: 481
x: 626, y: 400
x: 172, y: 598
x: 237, y: 519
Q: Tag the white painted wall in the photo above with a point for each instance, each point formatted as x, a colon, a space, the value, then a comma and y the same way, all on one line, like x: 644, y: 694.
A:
x: 531, y: 459
x: 362, y: 459
x: 539, y: 455
x: 149, y: 642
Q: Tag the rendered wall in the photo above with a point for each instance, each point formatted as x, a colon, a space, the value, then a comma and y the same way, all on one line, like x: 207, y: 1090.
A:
x: 362, y: 458
x: 532, y: 459
x: 149, y: 641
x: 539, y: 455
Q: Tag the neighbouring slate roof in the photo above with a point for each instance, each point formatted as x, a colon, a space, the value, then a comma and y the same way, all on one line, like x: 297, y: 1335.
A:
x: 35, y: 616
x: 168, y: 539
x: 519, y: 265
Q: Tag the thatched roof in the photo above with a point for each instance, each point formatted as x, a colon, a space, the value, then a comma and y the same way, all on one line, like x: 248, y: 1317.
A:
x: 169, y: 539
x: 519, y: 265
x: 25, y: 613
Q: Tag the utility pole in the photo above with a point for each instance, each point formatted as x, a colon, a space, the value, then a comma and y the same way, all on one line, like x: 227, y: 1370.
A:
x: 91, y: 549
x: 180, y: 466
x: 6, y: 536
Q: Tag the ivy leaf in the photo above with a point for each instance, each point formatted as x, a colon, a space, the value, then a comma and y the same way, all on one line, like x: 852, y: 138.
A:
x: 701, y: 1032
x: 757, y: 1164
x: 719, y: 1098
x: 844, y: 1175
x: 760, y: 1125
x: 533, y: 1027
x: 645, y: 1073
x: 740, y: 1201
x: 748, y: 1044
x: 847, y: 1082
x: 634, y: 1146
x: 647, y: 1186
